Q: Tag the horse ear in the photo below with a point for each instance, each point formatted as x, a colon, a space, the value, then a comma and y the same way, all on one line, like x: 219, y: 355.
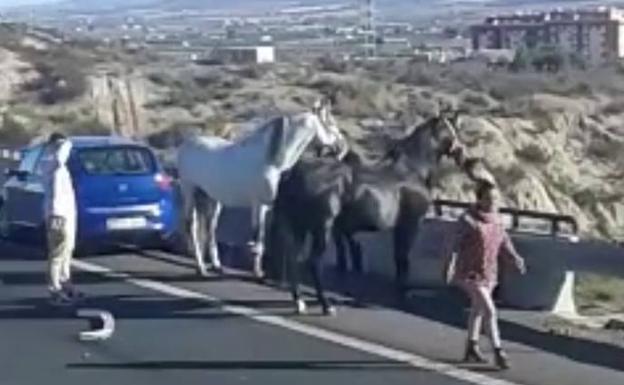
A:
x: 455, y: 116
x: 443, y: 109
x: 318, y: 105
x: 276, y: 140
x: 326, y: 104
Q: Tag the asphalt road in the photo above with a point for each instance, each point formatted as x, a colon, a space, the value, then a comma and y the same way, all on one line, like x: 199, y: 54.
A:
x: 165, y: 340
x: 170, y: 330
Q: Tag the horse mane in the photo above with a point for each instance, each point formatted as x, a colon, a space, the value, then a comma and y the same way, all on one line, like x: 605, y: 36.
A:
x: 353, y: 158
x: 419, y: 130
x: 276, y: 140
x: 416, y: 134
x: 274, y: 128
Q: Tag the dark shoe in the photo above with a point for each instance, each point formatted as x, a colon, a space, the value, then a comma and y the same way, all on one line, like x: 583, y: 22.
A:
x: 501, y: 359
x: 329, y: 311
x: 60, y: 299
x: 72, y: 293
x: 220, y: 270
x: 473, y: 354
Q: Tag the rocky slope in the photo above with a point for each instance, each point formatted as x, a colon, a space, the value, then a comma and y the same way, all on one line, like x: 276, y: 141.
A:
x: 555, y: 146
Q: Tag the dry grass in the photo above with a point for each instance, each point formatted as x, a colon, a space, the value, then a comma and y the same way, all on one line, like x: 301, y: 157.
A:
x: 88, y: 127
x: 532, y: 153
x: 174, y: 135
x: 605, y: 147
x: 12, y: 132
x: 597, y: 294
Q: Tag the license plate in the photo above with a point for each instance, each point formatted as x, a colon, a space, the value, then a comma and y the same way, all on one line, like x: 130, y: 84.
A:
x: 126, y: 223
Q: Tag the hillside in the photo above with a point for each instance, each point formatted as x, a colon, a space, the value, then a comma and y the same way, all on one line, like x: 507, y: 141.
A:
x: 553, y: 142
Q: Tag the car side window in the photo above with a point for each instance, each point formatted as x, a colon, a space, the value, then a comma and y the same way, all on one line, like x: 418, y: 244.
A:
x: 41, y: 166
x: 29, y: 161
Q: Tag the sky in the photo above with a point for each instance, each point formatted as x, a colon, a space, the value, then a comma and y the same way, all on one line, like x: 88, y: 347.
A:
x: 7, y: 3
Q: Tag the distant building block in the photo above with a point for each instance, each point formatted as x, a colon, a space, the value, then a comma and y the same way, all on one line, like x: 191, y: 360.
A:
x: 244, y: 55
x: 596, y: 35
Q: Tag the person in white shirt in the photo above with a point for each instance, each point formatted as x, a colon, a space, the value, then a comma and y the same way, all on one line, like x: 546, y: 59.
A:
x: 60, y: 221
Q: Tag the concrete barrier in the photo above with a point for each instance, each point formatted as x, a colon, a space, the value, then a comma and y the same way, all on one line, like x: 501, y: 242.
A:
x: 548, y: 284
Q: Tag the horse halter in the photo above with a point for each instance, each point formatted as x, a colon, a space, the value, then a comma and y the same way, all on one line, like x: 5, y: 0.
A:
x: 453, y: 148
x: 322, y: 111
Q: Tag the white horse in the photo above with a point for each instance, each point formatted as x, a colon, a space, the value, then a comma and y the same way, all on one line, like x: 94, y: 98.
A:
x: 215, y: 172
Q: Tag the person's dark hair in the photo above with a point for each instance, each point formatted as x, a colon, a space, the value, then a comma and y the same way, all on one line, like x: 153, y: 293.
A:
x: 483, y: 187
x: 56, y: 137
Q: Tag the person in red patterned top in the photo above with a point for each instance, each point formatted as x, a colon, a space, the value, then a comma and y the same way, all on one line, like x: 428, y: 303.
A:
x: 471, y: 262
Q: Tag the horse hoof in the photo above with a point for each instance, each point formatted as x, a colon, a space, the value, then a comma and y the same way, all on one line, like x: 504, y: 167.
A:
x: 255, y: 249
x: 259, y: 275
x: 329, y: 311
x: 218, y: 270
x: 301, y: 308
x: 202, y: 272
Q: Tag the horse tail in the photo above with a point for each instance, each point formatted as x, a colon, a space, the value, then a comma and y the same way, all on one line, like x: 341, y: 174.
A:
x: 276, y: 248
x: 184, y: 151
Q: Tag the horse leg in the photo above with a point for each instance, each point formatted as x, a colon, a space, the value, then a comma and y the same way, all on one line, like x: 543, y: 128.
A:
x: 355, y: 249
x: 196, y: 227
x: 404, y: 237
x: 188, y: 206
x: 258, y: 239
x: 212, y: 220
x: 320, y: 239
x: 341, y: 258
x: 295, y: 242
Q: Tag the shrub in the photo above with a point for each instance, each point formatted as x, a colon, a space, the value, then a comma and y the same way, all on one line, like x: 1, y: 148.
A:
x: 171, y: 137
x: 254, y: 71
x: 521, y: 61
x: 217, y: 125
x: 511, y: 86
x: 418, y: 74
x: 604, y: 147
x: 208, y: 79
x: 422, y: 106
x: 13, y: 133
x: 174, y: 135
x: 88, y: 127
x: 511, y: 176
x: 160, y: 78
x: 61, y: 75
x: 533, y: 153
x: 329, y: 64
x: 473, y: 100
x: 232, y: 83
x: 614, y: 108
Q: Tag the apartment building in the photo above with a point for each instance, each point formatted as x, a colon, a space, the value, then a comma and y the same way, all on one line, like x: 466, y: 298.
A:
x: 595, y: 34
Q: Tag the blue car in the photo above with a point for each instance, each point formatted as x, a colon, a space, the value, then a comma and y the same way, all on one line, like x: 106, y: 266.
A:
x: 122, y: 194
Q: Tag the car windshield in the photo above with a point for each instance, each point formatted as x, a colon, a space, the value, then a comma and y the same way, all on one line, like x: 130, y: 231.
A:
x: 116, y: 161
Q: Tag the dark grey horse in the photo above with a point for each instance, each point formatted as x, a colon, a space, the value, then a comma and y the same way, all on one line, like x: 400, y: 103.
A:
x: 321, y: 196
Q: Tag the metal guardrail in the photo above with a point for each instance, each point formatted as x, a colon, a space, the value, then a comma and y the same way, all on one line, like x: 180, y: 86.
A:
x: 556, y: 220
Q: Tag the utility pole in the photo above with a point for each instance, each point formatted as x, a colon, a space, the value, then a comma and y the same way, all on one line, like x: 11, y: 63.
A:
x: 367, y: 26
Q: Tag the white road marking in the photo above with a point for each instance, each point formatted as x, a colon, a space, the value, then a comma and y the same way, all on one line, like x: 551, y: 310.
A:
x: 107, y: 329
x: 379, y: 350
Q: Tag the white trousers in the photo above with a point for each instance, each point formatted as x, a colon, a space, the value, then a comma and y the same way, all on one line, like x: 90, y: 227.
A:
x: 482, y: 308
x: 60, y: 249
